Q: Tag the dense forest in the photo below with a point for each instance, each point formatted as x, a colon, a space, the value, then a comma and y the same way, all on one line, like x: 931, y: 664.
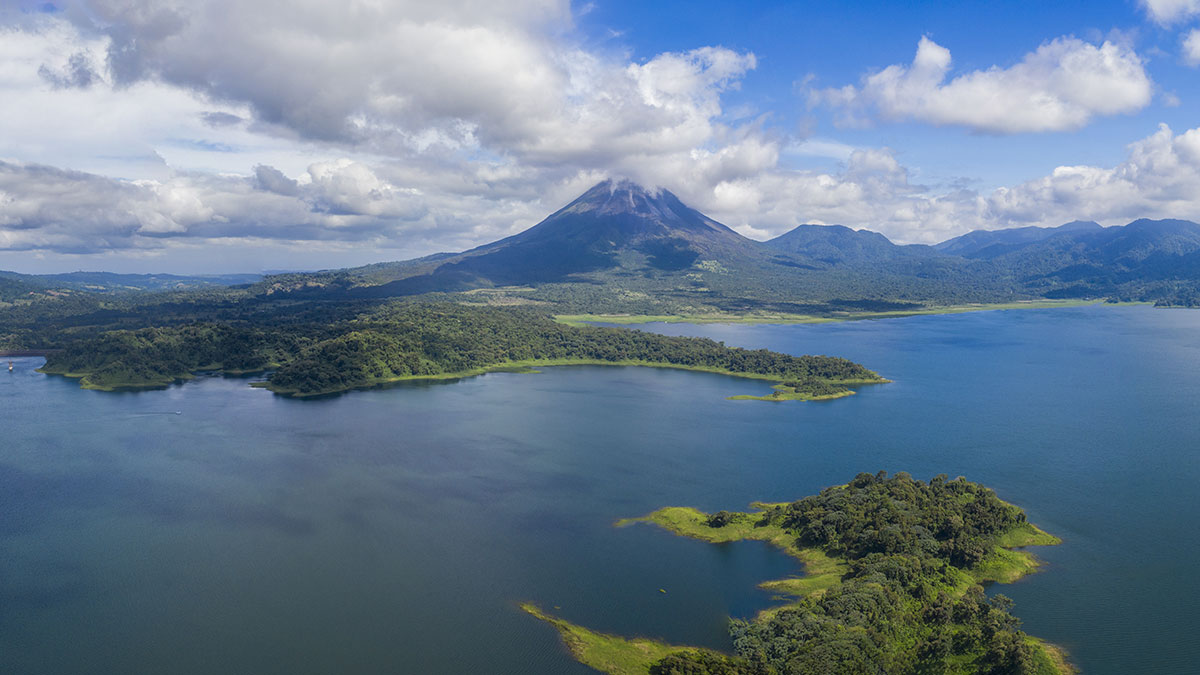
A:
x: 399, y: 340
x: 910, y: 601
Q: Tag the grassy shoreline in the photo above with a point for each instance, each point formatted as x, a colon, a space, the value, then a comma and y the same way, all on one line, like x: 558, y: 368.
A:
x: 131, y: 386
x: 1005, y: 564
x: 527, y: 366
x: 607, y: 653
x: 84, y: 383
x: 785, y: 393
x: 531, y: 366
x: 822, y: 572
x: 785, y: 318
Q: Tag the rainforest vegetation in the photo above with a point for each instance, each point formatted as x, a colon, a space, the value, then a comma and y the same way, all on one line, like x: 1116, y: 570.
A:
x: 406, y: 340
x: 895, y: 567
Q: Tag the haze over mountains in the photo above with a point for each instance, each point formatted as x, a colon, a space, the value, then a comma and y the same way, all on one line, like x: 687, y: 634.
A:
x: 991, y: 243
x: 14, y: 285
x: 620, y: 241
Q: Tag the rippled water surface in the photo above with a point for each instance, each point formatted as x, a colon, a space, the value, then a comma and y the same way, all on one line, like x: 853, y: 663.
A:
x: 213, y: 527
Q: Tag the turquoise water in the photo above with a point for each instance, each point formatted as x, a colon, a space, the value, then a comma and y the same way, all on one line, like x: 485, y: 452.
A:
x: 212, y: 527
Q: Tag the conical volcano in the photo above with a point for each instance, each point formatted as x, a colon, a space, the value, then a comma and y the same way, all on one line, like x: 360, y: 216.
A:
x: 621, y: 214
x: 616, y: 225
x: 615, y: 218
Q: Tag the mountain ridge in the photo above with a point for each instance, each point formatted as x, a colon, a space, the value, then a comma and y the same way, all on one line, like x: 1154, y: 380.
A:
x: 620, y: 235
x: 620, y: 245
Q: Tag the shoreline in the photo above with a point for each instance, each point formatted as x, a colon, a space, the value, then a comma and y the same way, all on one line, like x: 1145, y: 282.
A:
x: 620, y: 655
x: 531, y: 366
x: 525, y: 367
x: 783, y: 318
x: 18, y: 353
x: 1006, y: 564
x: 785, y: 393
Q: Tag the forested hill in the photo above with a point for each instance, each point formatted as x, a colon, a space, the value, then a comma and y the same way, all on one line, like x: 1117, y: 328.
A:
x: 838, y: 245
x: 402, y: 341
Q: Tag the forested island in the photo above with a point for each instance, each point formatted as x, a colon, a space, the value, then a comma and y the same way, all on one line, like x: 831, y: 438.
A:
x: 894, y: 568
x: 401, y: 341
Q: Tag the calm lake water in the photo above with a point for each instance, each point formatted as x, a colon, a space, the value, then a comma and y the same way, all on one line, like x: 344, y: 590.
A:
x: 213, y: 527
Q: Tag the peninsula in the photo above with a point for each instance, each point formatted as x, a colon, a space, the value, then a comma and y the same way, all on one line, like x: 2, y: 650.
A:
x: 893, y: 579
x: 418, y: 341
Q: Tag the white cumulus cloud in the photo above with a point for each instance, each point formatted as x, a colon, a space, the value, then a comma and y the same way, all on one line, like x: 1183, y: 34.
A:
x: 1167, y: 12
x: 1159, y: 178
x: 1060, y: 86
x: 1191, y: 48
x: 410, y: 124
x: 345, y: 133
x: 406, y: 76
x: 340, y: 205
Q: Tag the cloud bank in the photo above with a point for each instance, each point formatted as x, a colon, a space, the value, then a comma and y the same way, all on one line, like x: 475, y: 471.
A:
x: 46, y: 208
x: 1060, y: 86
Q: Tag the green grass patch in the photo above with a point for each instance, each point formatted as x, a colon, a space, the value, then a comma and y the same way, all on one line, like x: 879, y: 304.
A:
x: 1050, y: 659
x: 785, y: 318
x: 608, y: 653
x: 821, y: 571
x: 1027, y: 535
x: 1005, y: 566
x: 622, y: 319
x: 784, y: 393
x: 689, y: 522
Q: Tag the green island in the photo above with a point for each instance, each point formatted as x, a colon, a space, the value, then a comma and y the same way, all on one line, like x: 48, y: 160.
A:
x: 399, y: 342
x: 810, y: 389
x: 894, y: 573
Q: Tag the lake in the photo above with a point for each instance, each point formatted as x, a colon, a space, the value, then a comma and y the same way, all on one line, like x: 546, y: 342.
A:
x: 214, y: 527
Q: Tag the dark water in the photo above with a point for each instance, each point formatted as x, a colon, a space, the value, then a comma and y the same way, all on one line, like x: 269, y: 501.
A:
x: 394, y: 531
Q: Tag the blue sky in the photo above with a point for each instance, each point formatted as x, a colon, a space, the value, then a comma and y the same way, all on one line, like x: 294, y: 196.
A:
x: 219, y: 136
x: 837, y: 45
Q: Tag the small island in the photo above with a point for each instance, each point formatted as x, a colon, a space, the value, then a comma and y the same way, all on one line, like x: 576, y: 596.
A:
x: 807, y: 389
x: 894, y: 573
x: 417, y: 341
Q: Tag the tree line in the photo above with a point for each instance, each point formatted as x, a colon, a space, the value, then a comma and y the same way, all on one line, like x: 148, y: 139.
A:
x: 405, y: 339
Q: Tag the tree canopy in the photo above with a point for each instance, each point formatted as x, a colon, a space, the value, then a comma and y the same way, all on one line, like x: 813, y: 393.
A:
x: 405, y: 340
x: 910, y: 603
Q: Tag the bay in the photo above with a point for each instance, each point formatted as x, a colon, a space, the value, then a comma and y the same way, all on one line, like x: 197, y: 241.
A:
x: 216, y: 527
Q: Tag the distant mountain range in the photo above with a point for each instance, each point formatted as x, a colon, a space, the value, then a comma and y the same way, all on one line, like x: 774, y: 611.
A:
x: 621, y: 236
x: 993, y: 243
x: 13, y: 285
x: 619, y: 245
